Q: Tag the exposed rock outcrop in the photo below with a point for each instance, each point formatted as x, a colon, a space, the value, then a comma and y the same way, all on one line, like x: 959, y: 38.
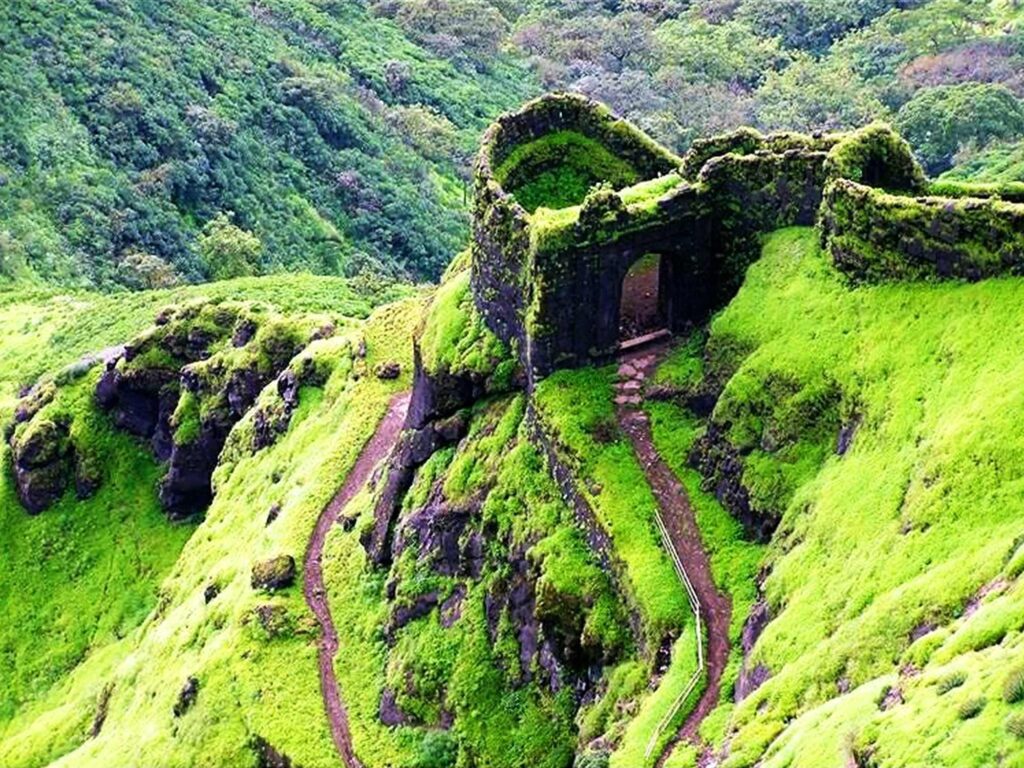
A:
x: 721, y: 466
x: 752, y: 677
x: 269, y: 757
x: 187, y: 696
x: 43, y: 463
x: 274, y: 574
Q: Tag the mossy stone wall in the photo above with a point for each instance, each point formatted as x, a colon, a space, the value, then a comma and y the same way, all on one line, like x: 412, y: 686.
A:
x: 874, y: 236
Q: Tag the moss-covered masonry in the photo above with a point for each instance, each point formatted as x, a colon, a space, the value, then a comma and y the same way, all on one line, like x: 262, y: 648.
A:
x: 873, y: 235
x: 568, y: 197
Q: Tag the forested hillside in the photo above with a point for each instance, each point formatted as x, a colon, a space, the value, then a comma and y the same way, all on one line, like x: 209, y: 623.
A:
x: 148, y: 143
x: 128, y: 127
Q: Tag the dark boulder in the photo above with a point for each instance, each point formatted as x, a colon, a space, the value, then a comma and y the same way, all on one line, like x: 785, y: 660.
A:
x: 269, y: 757
x: 276, y: 573
x: 750, y: 680
x: 274, y: 619
x: 410, y: 611
x: 387, y: 371
x: 43, y: 463
x: 451, y: 608
x: 390, y: 713
x: 186, y: 697
x: 243, y: 334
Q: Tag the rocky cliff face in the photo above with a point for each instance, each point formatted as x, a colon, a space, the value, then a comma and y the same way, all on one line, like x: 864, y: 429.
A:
x: 180, y: 387
x: 465, y: 554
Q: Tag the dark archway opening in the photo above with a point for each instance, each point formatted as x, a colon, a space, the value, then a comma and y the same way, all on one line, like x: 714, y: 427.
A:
x: 641, y: 310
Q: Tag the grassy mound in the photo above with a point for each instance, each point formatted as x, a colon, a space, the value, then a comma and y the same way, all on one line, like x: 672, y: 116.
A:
x: 895, y: 564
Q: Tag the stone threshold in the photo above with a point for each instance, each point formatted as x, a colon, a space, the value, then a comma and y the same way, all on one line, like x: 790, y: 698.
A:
x: 643, y: 341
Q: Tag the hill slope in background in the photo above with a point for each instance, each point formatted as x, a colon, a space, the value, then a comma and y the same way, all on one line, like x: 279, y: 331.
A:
x: 126, y: 126
x: 339, y: 134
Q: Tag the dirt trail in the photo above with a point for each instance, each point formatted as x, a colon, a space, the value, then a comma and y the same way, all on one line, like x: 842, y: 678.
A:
x: 679, y: 519
x: 316, y: 595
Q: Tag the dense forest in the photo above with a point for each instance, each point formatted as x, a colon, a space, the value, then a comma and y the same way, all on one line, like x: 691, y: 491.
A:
x: 144, y: 144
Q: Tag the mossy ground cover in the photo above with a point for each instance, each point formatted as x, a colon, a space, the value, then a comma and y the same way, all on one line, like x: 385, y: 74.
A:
x: 557, y: 170
x: 497, y: 720
x: 577, y: 409
x: 896, y: 536
x: 104, y: 599
x: 456, y: 339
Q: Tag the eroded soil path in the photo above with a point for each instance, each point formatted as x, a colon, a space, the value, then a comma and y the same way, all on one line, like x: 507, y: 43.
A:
x: 716, y: 608
x: 313, y: 585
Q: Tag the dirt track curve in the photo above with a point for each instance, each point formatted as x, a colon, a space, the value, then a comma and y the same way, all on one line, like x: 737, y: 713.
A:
x: 679, y: 519
x: 316, y: 595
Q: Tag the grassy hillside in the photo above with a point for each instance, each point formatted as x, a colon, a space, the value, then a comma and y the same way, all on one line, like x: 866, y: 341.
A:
x: 100, y: 592
x: 892, y: 580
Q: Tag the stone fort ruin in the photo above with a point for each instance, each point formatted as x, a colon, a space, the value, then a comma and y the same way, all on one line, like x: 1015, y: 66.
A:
x: 568, y: 198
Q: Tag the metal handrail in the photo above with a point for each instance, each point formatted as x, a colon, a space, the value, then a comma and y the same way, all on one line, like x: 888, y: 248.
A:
x: 691, y: 594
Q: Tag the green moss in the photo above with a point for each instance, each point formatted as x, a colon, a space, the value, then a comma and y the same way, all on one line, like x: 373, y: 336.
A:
x: 497, y: 718
x: 876, y: 155
x: 576, y: 407
x: 557, y: 169
x: 123, y: 609
x: 455, y: 338
x: 186, y: 421
x: 899, y: 532
x: 874, y: 236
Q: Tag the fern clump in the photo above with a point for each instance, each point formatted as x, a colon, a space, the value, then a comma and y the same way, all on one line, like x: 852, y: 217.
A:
x: 951, y: 681
x: 971, y: 708
x: 1015, y: 725
x: 1013, y: 688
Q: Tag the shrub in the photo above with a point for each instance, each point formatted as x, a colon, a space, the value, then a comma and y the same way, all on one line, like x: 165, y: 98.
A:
x: 951, y: 681
x: 591, y: 760
x: 437, y: 750
x: 228, y: 251
x: 1015, y: 725
x: 939, y: 121
x: 1013, y: 688
x: 971, y: 708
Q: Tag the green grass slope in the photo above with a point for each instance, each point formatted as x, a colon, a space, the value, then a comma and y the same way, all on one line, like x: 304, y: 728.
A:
x: 894, y: 572
x: 104, y: 616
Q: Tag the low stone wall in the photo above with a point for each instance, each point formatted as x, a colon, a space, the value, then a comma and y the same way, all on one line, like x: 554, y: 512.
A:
x: 748, y: 195
x: 748, y: 141
x: 874, y: 236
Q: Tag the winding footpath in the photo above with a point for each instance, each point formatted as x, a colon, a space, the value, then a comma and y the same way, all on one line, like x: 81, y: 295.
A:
x: 681, y: 528
x: 313, y: 586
